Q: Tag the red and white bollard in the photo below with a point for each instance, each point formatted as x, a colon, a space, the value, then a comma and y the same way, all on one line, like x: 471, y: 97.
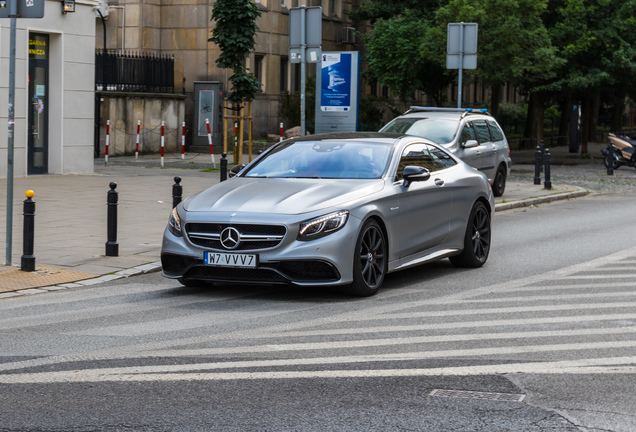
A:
x: 137, y: 141
x: 183, y: 140
x: 207, y: 125
x: 107, y: 139
x: 281, y: 132
x: 162, y: 141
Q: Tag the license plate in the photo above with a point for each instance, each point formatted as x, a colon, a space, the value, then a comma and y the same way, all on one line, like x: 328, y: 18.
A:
x: 221, y: 259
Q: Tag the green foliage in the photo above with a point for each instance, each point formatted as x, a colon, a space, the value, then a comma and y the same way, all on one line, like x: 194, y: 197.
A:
x: 393, y: 58
x: 234, y: 34
x: 374, y: 10
x: 370, y: 116
x: 289, y: 107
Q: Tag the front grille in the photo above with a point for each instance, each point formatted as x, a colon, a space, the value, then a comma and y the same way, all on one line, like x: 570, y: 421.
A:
x: 253, y: 237
x: 230, y: 274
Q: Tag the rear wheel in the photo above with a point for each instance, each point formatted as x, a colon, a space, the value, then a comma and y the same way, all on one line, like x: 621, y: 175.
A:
x: 476, y: 240
x: 369, y: 261
x: 499, y: 185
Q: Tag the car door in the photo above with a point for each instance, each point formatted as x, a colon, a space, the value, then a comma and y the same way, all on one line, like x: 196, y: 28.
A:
x: 467, y: 151
x: 487, y: 155
x: 425, y: 206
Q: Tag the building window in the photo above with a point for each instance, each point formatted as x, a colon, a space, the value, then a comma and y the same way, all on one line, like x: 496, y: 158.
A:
x: 258, y: 69
x: 283, y: 74
x: 385, y: 91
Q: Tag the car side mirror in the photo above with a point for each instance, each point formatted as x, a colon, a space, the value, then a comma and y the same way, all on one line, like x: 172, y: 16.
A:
x: 415, y: 173
x: 235, y: 170
x: 470, y: 144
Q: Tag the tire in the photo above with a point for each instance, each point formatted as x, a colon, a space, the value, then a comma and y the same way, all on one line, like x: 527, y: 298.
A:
x: 606, y: 162
x: 476, y: 239
x: 370, y: 261
x: 194, y: 283
x: 499, y: 185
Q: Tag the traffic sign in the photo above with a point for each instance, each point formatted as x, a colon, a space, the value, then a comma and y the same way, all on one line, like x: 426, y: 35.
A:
x: 25, y: 8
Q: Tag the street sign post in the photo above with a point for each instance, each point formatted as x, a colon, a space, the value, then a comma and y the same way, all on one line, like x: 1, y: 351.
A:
x: 461, y: 51
x: 305, y: 39
x: 26, y: 9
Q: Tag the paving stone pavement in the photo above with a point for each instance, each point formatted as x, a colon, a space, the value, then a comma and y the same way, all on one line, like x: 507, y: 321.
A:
x: 70, y: 221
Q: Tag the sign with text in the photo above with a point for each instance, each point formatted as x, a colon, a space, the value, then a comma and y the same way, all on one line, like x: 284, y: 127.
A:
x: 337, y: 91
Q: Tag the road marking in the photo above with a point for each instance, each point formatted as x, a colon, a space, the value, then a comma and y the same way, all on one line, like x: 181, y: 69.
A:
x: 617, y: 365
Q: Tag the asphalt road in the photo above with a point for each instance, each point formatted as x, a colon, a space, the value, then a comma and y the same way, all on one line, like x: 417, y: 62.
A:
x: 550, y: 320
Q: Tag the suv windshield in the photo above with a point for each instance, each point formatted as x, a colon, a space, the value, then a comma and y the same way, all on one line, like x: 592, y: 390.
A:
x: 440, y: 131
x: 323, y: 159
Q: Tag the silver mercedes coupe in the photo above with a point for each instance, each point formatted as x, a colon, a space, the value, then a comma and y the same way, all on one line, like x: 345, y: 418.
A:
x: 335, y: 209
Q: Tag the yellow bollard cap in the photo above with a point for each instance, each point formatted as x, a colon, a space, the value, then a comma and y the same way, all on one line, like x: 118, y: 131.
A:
x: 30, y: 194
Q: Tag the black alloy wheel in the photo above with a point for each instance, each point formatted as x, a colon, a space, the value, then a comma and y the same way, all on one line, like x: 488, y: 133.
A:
x: 476, y: 240
x: 369, y: 261
x: 499, y: 185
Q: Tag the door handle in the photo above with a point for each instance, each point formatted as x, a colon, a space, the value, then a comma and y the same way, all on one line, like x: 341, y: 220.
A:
x: 439, y: 182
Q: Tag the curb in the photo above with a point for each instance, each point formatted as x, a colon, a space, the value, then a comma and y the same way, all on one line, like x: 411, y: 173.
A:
x: 541, y: 200
x: 122, y: 274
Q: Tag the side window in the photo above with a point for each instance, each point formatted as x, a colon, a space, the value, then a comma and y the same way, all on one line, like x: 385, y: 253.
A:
x: 482, y: 131
x: 468, y: 133
x: 441, y: 158
x: 497, y: 134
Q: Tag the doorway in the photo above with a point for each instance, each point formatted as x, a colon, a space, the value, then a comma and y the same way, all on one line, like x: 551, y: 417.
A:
x: 38, y: 106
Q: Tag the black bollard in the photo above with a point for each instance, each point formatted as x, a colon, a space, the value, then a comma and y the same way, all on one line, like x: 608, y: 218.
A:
x: 112, y: 247
x: 223, y: 166
x: 610, y: 158
x: 542, y: 155
x: 537, y: 166
x: 546, y: 158
x: 177, y: 192
x: 28, y: 234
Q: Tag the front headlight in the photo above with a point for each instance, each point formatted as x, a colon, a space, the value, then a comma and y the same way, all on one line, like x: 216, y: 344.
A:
x: 174, y: 223
x: 323, y: 225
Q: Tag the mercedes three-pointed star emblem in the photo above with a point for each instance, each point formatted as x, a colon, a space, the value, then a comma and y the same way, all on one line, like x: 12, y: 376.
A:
x: 230, y: 238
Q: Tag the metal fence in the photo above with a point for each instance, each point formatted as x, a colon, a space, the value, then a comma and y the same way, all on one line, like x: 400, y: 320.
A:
x: 133, y: 72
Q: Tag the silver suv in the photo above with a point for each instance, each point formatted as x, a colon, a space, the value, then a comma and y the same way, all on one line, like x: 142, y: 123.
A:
x: 472, y: 135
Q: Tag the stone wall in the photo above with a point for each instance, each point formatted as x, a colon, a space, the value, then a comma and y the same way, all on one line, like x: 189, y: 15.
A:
x: 124, y: 110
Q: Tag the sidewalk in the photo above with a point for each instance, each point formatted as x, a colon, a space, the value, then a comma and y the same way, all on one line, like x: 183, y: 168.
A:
x: 70, y: 216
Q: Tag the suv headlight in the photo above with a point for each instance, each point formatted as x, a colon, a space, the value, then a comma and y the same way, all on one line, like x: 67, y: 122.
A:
x: 174, y: 223
x: 323, y: 225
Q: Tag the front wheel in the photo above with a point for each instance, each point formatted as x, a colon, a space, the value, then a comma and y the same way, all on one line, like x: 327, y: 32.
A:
x: 369, y: 261
x: 476, y: 239
x: 607, y: 161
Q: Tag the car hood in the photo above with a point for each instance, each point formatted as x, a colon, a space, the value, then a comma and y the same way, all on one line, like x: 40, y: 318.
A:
x: 280, y: 196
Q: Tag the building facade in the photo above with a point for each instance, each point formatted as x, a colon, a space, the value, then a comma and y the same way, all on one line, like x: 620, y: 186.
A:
x: 54, y: 91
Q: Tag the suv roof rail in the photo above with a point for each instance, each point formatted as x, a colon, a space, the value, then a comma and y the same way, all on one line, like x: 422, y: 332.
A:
x: 464, y: 110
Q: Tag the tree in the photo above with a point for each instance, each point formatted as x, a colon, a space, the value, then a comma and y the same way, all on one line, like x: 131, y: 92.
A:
x: 394, y: 60
x: 234, y: 34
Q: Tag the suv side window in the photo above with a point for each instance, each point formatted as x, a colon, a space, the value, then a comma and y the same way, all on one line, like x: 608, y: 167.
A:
x: 468, y: 133
x: 425, y: 156
x: 482, y: 131
x: 497, y: 134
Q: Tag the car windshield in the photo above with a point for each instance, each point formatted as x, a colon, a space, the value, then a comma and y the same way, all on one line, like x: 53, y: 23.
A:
x: 323, y: 159
x: 440, y: 131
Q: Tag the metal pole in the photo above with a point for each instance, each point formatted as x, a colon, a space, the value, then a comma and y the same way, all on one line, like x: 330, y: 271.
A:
x: 13, y: 13
x: 177, y: 192
x: 303, y: 48
x: 112, y: 247
x: 461, y: 64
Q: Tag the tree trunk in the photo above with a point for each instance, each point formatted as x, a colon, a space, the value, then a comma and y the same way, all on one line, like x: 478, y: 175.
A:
x: 586, y: 107
x: 596, y: 107
x: 496, y: 98
x: 539, y: 110
x: 564, y: 107
x: 529, y: 128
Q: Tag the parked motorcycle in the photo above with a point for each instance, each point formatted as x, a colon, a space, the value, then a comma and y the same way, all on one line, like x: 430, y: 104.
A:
x: 622, y: 151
